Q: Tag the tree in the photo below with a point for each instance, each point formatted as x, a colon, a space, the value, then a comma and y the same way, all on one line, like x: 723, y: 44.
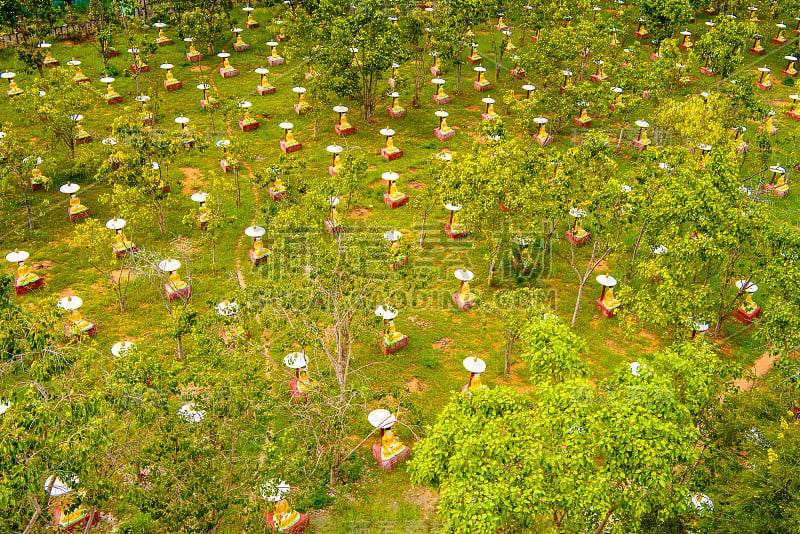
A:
x: 552, y: 350
x: 722, y: 45
x: 18, y: 159
x: 217, y: 187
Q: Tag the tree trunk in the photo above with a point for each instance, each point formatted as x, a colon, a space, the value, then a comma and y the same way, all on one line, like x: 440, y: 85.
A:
x: 90, y: 523
x: 578, y: 303
x: 422, y: 230
x: 27, y: 202
x: 37, y: 512
x: 180, y: 347
x: 160, y: 219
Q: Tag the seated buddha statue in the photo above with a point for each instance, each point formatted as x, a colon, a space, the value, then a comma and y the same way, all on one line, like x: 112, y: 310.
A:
x: 334, y: 217
x: 577, y: 230
x: 391, y: 335
x: 48, y: 58
x: 250, y: 19
x: 618, y: 100
x: 501, y: 24
x: 121, y: 242
x: 791, y: 70
x: 769, y: 126
x: 687, y: 41
x: 475, y: 382
x: 780, y: 36
x: 390, y: 445
x: 748, y: 306
x: 474, y: 54
x: 642, y: 30
x: 69, y: 518
x: 247, y: 119
x: 643, y: 139
x: 614, y: 39
x: 290, y: 140
x: 170, y: 78
x: 79, y: 75
x: 81, y: 131
x: 490, y: 112
x: 111, y: 93
x: 13, y: 88
x: 608, y: 299
x: 301, y: 100
x: 274, y: 53
x: 226, y: 64
x: 284, y: 516
x: 482, y: 79
x: 79, y: 324
x: 390, y: 144
x: 24, y: 274
x: 278, y: 186
x: 259, y: 251
x: 175, y: 282
x: 140, y: 63
x: 394, y: 193
x: 510, y: 47
x: 465, y: 294
x: 543, y: 135
x: 75, y: 205
x: 758, y: 45
x: 440, y: 91
x: 37, y: 177
x: 304, y: 382
x: 443, y: 126
x: 766, y: 81
x: 601, y: 73
x: 192, y: 50
x: 781, y: 185
x: 396, y: 107
x: 239, y: 41
x: 584, y: 117
x: 161, y: 35
x: 204, y: 214
x: 343, y: 124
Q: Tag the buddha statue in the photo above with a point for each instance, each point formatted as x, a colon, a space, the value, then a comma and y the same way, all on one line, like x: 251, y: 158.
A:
x: 284, y: 516
x: 139, y: 63
x: 79, y: 324
x: 278, y: 186
x: 394, y: 193
x: 301, y: 100
x: 259, y: 251
x: 614, y: 39
x: 501, y: 25
x: 48, y: 58
x: 687, y: 41
x: 766, y: 81
x: 304, y: 382
x: 643, y: 139
x: 464, y: 293
x: 584, y: 117
x: 111, y: 93
x: 343, y: 124
x: 161, y: 35
x: 781, y: 38
x: 757, y: 47
x: 475, y: 382
x: 395, y: 72
x: 510, y: 47
x: 274, y: 53
x: 443, y: 127
x: 781, y: 185
x: 396, y: 107
x: 748, y: 306
x: 289, y: 138
x: 391, y: 335
x: 175, y: 282
x: 226, y: 64
x: 192, y: 50
x: 37, y: 177
x: 250, y: 19
x: 543, y: 135
x: 437, y: 64
x: 170, y: 78
x: 12, y: 87
x: 247, y: 119
x: 770, y: 126
x: 70, y: 518
x: 204, y: 214
x: 334, y: 216
x: 239, y: 41
x: 791, y: 70
x: 390, y: 445
x: 120, y: 242
x: 481, y: 78
x: 440, y: 94
x: 24, y: 274
x: 337, y: 163
x: 642, y: 31
x: 608, y: 299
x: 79, y: 75
x: 390, y: 143
x: 577, y: 230
x: 490, y: 112
x: 75, y: 206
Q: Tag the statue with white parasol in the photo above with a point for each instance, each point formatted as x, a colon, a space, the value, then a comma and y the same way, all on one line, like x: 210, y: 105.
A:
x: 464, y: 298
x: 390, y: 339
x: 282, y: 518
x: 389, y: 451
x: 25, y: 279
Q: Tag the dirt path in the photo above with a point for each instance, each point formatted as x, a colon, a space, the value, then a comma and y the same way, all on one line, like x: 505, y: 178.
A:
x: 760, y: 368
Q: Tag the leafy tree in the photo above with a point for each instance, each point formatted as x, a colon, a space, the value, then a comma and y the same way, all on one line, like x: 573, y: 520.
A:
x: 552, y: 350
x: 18, y: 159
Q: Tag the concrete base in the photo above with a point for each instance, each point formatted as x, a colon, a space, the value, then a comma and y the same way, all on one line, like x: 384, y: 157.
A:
x: 481, y: 87
x: 138, y: 70
x: 83, y: 140
x: 111, y: 53
x: 685, y: 48
x: 121, y: 253
x: 780, y: 193
x: 30, y: 286
x: 577, y: 241
x: 599, y: 79
x: 544, y: 141
x: 475, y: 60
x: 163, y: 42
x: 759, y: 52
x: 230, y: 73
x: 173, y: 86
x: 252, y: 124
x: 608, y: 313
x: 778, y: 42
x: 53, y: 63
x: 79, y: 216
x: 444, y: 136
x: 394, y: 204
x: 268, y: 90
x: 281, y: 38
x: 444, y: 100
x: 115, y: 100
x: 255, y: 260
x: 251, y: 25
x: 300, y: 526
x: 394, y: 347
x: 183, y: 293
x: 344, y: 131
x: 76, y: 336
x: 277, y: 195
x: 391, y: 156
x: 396, y: 114
x: 706, y: 71
x: 288, y: 149
x: 435, y: 71
x: 273, y: 61
x: 455, y: 235
x: 37, y: 186
x: 301, y: 109
x: 517, y: 74
x: 787, y: 73
x: 12, y: 94
x: 487, y: 117
x: 332, y: 171
x: 638, y: 145
x: 463, y: 306
x: 794, y: 115
x: 241, y: 48
x: 195, y: 58
x: 638, y: 35
x: 582, y: 124
x: 746, y: 318
x: 332, y: 228
x: 388, y: 465
x: 764, y: 86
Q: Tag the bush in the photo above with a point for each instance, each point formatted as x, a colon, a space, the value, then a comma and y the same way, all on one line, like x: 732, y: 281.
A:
x: 788, y: 82
x: 138, y: 524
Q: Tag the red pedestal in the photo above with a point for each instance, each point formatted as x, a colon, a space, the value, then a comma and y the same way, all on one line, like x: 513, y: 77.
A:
x: 706, y: 71
x: 344, y: 131
x: 331, y: 170
x: 129, y: 250
x: 78, y: 216
x: 172, y: 86
x: 36, y: 186
x: 443, y: 100
x: 794, y: 115
x: 204, y: 104
x: 544, y: 142
x: 435, y: 71
x: 463, y: 306
x: 53, y: 63
x: 638, y: 145
x: 388, y: 465
x: 228, y: 73
x: 582, y: 124
x: 255, y: 260
x: 27, y: 288
x: 184, y: 292
x: 288, y: 149
x: 601, y: 307
x: 84, y: 139
x: 474, y: 60
x: 396, y: 114
x: 268, y: 90
x: 654, y: 56
x: 641, y: 35
x: 111, y: 53
x: 275, y: 61
x: 12, y: 94
x: 164, y: 42
x: 746, y: 318
x: 331, y: 228
x: 301, y: 109
x: 116, y: 100
x: 444, y: 136
x: 138, y: 70
x: 778, y: 42
x: 577, y: 241
x: 241, y: 48
x: 277, y: 195
x: 80, y: 335
x: 684, y: 47
x: 787, y: 73
x: 297, y: 395
x: 765, y: 87
x: 77, y: 526
x: 599, y: 79
x: 481, y: 87
x: 300, y: 526
x: 391, y: 156
x: 223, y: 163
x: 455, y: 235
x: 775, y: 192
x: 394, y: 347
x: 281, y: 38
x: 252, y: 124
x: 487, y: 117
x: 251, y: 25
x: 516, y: 74
x: 394, y: 204
x: 758, y: 52
x: 709, y: 11
x: 195, y: 58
